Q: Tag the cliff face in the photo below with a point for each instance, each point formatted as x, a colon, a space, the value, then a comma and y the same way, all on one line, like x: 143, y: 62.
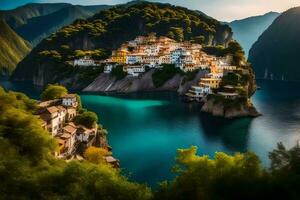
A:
x: 110, y: 28
x: 108, y: 83
x: 219, y: 109
x: 276, y: 53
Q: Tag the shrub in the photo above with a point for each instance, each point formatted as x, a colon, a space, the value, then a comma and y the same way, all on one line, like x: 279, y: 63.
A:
x: 118, y: 72
x: 160, y: 76
x: 53, y: 92
x: 87, y: 119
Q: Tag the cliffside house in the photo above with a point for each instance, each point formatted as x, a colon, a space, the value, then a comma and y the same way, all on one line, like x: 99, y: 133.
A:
x: 54, y: 118
x: 112, y: 161
x: 86, y: 136
x: 119, y: 56
x: 134, y: 70
x: 70, y: 100
x: 84, y: 62
x: 108, y: 68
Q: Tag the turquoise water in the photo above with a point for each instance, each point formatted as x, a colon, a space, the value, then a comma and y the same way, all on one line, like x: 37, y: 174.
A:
x: 146, y: 129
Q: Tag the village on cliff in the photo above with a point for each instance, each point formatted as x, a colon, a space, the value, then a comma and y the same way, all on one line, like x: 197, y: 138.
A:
x: 146, y: 52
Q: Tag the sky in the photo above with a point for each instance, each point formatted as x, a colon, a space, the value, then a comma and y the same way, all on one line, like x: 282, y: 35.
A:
x: 223, y: 10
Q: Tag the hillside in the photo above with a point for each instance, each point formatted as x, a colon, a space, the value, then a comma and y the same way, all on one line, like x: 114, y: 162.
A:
x: 276, y: 53
x: 12, y: 49
x: 246, y: 31
x: 35, y: 22
x: 20, y: 16
x: 37, y: 29
x: 108, y: 29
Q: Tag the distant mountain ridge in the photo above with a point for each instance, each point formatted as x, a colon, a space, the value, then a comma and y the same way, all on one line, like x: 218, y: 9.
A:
x: 276, y: 53
x: 35, y: 22
x: 12, y: 49
x: 247, y: 31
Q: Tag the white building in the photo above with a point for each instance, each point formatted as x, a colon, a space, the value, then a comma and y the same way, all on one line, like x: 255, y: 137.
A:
x: 108, y: 68
x: 70, y: 100
x: 177, y: 54
x: 134, y: 70
x: 85, y: 61
x: 133, y: 59
x: 152, y: 50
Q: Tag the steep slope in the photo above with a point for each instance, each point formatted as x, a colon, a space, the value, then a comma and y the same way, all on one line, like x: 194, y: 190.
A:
x: 41, y: 27
x: 35, y: 22
x: 20, y: 16
x: 276, y: 53
x: 12, y: 49
x: 246, y: 31
x: 109, y: 29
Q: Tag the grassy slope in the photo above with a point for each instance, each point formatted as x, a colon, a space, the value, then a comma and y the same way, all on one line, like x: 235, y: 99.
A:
x: 12, y: 49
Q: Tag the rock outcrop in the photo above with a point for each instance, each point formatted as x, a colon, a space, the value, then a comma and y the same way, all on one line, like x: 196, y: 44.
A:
x: 221, y: 110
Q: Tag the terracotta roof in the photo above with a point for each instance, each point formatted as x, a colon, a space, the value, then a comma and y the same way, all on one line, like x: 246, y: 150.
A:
x: 70, y: 129
x: 61, y: 108
x: 110, y: 159
x: 52, y: 109
x: 70, y: 96
x: 65, y: 136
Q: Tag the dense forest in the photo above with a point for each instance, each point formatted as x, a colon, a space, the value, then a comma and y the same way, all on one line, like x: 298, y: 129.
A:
x: 28, y: 169
x: 108, y: 29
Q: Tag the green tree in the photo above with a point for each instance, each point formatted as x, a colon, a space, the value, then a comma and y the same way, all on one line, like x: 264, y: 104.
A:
x: 87, y: 119
x: 28, y: 169
x: 118, y: 72
x: 96, y: 155
x: 53, y: 92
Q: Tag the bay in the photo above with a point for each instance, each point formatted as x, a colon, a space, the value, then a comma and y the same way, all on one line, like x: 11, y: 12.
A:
x: 146, y: 129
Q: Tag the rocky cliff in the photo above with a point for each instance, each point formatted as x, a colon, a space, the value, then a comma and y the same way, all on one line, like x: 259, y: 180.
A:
x: 219, y: 109
x: 276, y: 53
x: 108, y: 83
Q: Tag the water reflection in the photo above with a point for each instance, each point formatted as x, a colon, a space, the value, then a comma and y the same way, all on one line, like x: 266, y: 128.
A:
x: 233, y: 134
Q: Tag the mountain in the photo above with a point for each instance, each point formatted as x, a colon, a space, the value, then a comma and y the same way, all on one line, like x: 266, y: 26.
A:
x: 12, y: 49
x: 246, y: 31
x: 20, y: 16
x: 41, y: 27
x: 108, y: 29
x: 35, y: 22
x: 276, y: 53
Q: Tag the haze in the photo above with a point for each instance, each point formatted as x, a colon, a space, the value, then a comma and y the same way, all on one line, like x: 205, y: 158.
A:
x: 224, y: 10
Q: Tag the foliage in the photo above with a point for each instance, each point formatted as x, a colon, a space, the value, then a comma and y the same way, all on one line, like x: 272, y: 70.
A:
x: 29, y: 171
x: 237, y: 53
x: 118, y: 72
x: 53, y: 92
x: 233, y: 79
x: 219, y: 50
x: 12, y: 49
x: 190, y: 75
x: 87, y: 119
x: 53, y: 54
x: 160, y: 76
x: 98, y: 54
x: 96, y: 155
